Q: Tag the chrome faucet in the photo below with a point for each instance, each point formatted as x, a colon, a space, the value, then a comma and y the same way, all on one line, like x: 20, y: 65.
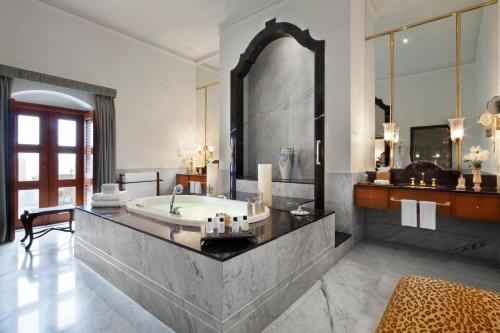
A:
x: 177, y: 190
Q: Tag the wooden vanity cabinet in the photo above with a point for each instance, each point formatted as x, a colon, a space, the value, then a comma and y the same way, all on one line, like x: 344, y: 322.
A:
x: 185, y: 179
x: 469, y: 206
x: 371, y: 197
x: 476, y: 207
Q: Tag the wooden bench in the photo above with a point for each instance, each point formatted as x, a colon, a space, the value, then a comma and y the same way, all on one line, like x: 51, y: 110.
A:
x: 30, y: 215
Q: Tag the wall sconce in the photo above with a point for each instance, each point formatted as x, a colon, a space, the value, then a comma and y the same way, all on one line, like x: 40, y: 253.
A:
x: 389, y: 136
x: 396, y: 135
x: 456, y: 135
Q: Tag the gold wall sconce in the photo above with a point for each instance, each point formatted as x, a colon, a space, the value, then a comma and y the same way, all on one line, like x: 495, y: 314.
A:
x: 456, y: 135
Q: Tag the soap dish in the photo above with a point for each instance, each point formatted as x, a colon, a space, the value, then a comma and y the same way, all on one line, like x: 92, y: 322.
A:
x: 300, y: 212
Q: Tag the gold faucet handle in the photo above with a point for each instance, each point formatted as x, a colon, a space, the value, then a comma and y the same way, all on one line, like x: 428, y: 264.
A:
x: 412, y: 181
x: 433, y: 182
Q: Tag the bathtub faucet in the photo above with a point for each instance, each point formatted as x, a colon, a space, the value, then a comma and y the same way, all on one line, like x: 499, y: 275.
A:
x: 177, y: 190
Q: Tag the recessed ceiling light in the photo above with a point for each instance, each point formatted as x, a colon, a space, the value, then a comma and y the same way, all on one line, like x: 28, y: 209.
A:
x: 405, y: 40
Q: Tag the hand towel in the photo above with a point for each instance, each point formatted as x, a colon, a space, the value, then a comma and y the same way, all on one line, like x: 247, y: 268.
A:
x: 197, y: 187
x: 409, y: 213
x: 192, y: 187
x: 428, y: 215
x: 381, y: 182
x: 98, y: 204
x: 118, y: 196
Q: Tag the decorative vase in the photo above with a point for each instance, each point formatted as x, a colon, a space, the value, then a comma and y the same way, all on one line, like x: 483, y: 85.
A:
x: 286, y: 157
x: 476, y: 179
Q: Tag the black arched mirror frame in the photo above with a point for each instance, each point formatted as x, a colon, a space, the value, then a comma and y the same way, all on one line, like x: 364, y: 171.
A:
x: 270, y: 33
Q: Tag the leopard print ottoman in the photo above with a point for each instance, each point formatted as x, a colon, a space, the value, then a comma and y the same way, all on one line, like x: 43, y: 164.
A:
x: 423, y: 304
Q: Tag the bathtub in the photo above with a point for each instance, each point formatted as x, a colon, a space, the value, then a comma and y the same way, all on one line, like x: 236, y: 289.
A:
x: 194, y: 210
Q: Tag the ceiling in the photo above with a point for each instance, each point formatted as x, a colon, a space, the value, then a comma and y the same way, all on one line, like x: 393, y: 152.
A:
x: 186, y: 28
x: 394, y: 13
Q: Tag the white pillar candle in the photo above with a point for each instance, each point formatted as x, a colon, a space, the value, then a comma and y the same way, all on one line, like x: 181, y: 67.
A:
x: 265, y: 183
x: 213, y: 178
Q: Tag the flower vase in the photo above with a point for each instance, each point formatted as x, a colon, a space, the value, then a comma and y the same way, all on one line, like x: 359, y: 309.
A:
x: 285, y: 161
x: 476, y: 179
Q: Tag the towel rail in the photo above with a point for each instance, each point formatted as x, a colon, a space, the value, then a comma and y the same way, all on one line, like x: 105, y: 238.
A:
x: 445, y: 204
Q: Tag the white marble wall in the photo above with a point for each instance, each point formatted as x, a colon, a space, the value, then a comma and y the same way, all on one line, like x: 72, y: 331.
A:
x: 339, y: 196
x: 279, y: 108
x: 194, y: 293
x: 293, y: 190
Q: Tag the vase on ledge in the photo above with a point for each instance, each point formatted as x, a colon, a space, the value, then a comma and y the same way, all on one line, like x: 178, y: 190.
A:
x: 476, y: 179
x: 285, y: 162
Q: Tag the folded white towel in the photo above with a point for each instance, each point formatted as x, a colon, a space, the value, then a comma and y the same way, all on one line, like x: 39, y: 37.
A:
x: 409, y: 213
x: 428, y: 215
x: 97, y: 204
x: 191, y: 187
x: 118, y: 196
x: 109, y: 188
x: 381, y: 182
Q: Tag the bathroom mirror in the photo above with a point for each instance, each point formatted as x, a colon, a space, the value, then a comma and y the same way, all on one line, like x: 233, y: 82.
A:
x: 207, y: 106
x: 277, y: 108
x: 426, y: 82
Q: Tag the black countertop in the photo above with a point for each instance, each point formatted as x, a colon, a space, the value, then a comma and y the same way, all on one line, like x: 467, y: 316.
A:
x: 467, y: 190
x: 278, y: 224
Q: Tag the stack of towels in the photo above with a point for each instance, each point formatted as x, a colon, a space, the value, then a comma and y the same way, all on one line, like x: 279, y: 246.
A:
x: 109, y: 197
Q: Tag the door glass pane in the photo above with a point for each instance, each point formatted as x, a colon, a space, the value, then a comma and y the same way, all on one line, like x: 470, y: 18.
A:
x: 66, y: 133
x: 28, y: 166
x: 28, y: 130
x: 67, y: 195
x: 28, y: 199
x: 67, y: 166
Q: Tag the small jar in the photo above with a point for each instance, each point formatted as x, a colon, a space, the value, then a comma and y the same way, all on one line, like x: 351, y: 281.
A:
x: 235, y: 226
x: 221, y: 226
x: 244, y: 224
x: 250, y: 208
x: 210, y: 225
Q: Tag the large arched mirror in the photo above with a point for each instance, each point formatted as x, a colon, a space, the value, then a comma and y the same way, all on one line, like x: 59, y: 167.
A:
x: 277, y: 108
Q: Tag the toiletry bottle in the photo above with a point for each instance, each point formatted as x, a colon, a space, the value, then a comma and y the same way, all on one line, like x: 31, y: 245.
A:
x: 221, y: 226
x: 244, y: 223
x: 259, y: 207
x: 250, y: 208
x: 210, y: 225
x: 235, y: 226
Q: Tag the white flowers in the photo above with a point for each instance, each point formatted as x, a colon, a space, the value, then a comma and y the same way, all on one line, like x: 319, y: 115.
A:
x: 476, y: 157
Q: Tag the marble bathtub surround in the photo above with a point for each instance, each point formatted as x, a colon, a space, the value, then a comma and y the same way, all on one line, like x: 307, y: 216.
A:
x: 277, y: 225
x: 193, y: 291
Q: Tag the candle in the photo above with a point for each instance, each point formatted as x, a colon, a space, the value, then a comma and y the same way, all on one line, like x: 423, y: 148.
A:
x: 265, y: 183
x: 212, y: 178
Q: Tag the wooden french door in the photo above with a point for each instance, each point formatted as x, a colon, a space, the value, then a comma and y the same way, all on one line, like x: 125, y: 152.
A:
x: 47, y: 159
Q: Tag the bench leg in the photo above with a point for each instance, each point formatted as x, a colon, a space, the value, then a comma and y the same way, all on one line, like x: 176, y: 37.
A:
x: 26, y: 232
x: 29, y: 223
x: 71, y: 215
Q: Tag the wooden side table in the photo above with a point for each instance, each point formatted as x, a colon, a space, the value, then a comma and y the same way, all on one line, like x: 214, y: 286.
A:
x: 30, y: 215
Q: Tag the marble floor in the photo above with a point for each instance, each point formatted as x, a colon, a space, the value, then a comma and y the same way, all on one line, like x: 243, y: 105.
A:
x: 48, y: 290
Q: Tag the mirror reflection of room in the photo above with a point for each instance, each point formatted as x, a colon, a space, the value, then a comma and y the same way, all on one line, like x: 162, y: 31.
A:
x: 425, y: 89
